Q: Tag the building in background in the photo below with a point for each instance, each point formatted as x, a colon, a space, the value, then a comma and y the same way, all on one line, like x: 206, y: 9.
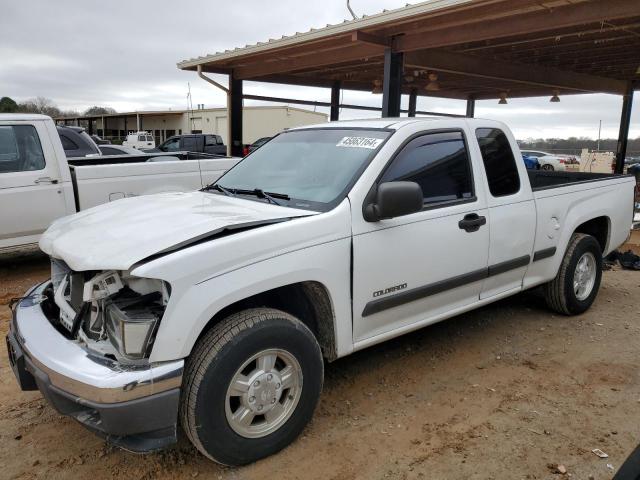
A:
x: 260, y: 121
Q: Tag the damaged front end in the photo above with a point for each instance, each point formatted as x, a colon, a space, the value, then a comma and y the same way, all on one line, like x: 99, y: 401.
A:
x: 114, y: 314
x: 84, y: 340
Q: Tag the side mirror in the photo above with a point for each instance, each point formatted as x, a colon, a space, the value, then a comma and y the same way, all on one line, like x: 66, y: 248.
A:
x: 394, y: 199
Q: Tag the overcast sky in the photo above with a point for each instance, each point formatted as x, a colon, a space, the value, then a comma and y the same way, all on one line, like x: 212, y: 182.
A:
x: 123, y: 54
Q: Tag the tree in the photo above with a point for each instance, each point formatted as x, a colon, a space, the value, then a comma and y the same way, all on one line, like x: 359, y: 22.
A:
x: 95, y: 110
x: 45, y: 106
x: 8, y: 105
x: 41, y: 105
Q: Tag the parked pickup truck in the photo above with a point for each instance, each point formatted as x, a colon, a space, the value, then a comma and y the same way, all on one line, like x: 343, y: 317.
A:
x: 38, y: 184
x: 195, y: 142
x: 216, y: 308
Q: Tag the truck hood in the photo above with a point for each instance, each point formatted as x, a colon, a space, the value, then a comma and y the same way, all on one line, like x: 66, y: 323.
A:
x: 116, y: 235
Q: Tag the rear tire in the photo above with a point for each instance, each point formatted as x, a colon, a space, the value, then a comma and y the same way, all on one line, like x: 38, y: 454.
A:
x: 548, y: 167
x: 250, y: 386
x: 576, y: 285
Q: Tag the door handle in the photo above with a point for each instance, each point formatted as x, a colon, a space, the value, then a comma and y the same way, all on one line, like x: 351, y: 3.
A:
x: 472, y: 222
x: 45, y: 180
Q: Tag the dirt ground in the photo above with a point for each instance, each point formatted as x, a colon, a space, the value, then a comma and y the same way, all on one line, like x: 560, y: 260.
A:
x: 505, y: 392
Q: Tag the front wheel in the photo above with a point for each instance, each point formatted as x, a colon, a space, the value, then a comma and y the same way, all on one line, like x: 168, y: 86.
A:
x: 576, y: 285
x: 548, y: 167
x: 251, y: 386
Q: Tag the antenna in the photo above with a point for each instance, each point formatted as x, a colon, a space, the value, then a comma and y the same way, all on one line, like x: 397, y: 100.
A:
x: 190, y: 107
x: 355, y: 17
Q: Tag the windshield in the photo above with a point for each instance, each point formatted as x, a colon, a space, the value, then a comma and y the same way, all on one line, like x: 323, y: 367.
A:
x: 314, y: 167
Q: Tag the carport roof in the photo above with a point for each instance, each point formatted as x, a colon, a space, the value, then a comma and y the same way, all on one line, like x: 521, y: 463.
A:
x: 476, y: 49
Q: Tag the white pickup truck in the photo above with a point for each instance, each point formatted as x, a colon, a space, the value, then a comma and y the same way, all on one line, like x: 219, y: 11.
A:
x: 38, y: 184
x: 215, y: 309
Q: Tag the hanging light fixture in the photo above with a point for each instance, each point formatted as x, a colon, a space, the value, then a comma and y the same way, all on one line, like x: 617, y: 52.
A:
x: 377, y: 86
x: 433, y: 85
x: 503, y: 98
x: 555, y: 98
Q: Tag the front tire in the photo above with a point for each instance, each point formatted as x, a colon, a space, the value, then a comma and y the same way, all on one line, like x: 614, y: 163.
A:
x: 251, y: 386
x: 577, y: 282
x: 548, y: 167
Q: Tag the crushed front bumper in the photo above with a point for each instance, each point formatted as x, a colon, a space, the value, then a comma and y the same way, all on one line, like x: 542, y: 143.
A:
x: 135, y: 408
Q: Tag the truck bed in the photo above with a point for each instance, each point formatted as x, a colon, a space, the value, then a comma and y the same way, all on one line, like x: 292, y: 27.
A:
x: 141, y: 158
x: 98, y: 180
x: 544, y: 180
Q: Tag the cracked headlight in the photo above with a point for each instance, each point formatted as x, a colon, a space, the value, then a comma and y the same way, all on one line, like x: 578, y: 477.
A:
x: 131, y: 315
x: 131, y: 328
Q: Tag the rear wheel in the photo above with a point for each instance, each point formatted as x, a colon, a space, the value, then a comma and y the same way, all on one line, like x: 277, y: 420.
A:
x: 577, y: 283
x: 547, y: 167
x: 251, y: 386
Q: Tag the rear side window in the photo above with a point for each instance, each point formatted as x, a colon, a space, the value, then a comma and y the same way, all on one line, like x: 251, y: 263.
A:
x: 20, y: 149
x: 209, y: 140
x: 499, y: 162
x: 190, y: 144
x: 67, y: 143
x: 439, y: 163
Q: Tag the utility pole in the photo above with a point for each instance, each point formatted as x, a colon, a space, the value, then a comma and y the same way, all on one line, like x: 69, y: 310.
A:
x: 599, y: 132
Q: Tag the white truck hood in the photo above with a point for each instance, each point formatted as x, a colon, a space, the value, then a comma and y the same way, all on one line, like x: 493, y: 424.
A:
x: 116, y: 235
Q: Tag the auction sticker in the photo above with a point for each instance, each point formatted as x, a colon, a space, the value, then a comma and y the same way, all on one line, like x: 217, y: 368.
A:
x: 360, y: 142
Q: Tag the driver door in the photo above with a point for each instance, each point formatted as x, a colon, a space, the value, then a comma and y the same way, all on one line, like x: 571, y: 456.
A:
x: 409, y: 271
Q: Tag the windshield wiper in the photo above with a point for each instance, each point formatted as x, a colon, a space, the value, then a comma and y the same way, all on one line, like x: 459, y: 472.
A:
x: 258, y: 192
x: 271, y: 196
x: 220, y: 188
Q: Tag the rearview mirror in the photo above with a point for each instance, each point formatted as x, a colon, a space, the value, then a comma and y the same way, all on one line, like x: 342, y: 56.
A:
x: 394, y: 199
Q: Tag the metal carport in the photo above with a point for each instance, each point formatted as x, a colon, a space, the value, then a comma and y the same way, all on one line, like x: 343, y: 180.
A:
x: 459, y: 49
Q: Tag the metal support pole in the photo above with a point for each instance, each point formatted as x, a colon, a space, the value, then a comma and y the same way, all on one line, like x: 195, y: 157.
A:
x: 335, y: 102
x: 413, y: 101
x: 471, y: 107
x: 625, y: 121
x: 126, y: 132
x: 392, y: 83
x: 228, y: 92
x: 138, y: 121
x: 90, y: 126
x: 235, y: 120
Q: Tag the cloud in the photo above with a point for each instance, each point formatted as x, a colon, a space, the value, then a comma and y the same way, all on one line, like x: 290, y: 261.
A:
x: 124, y: 53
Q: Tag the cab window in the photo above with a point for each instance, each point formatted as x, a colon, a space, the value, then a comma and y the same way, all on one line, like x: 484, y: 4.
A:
x: 20, y: 149
x: 171, y: 145
x: 439, y: 163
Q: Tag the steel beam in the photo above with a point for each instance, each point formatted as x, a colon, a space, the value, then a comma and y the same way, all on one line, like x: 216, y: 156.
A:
x: 413, y: 100
x: 625, y: 122
x: 335, y: 102
x: 392, y: 83
x: 235, y: 120
x: 540, y: 76
x: 471, y: 107
x: 347, y: 106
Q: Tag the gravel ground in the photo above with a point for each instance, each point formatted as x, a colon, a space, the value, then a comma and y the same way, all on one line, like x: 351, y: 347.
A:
x: 506, y: 392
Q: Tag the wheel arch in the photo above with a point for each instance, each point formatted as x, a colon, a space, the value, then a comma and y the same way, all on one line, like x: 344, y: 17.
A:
x: 309, y: 301
x: 599, y: 228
